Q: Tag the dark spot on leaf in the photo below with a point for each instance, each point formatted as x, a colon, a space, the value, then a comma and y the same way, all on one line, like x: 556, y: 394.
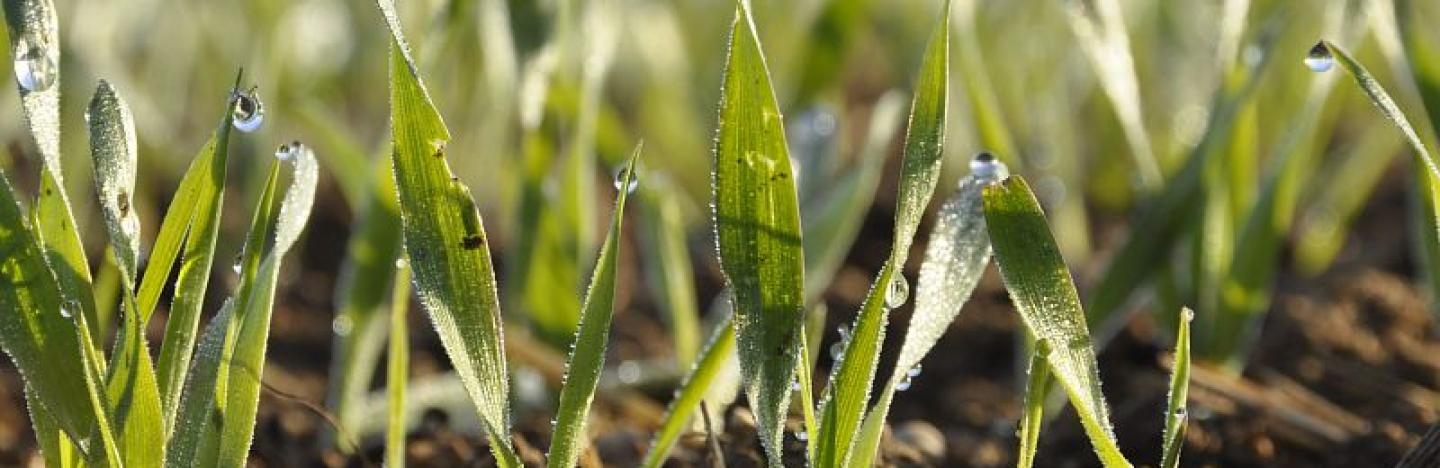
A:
x: 472, y: 242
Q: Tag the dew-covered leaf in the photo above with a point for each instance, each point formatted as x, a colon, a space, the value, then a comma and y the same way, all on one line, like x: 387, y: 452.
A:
x: 757, y: 226
x: 447, y: 245
x: 849, y: 387
x: 1044, y: 294
x: 587, y: 354
x: 131, y: 387
x: 1175, y: 414
x: 955, y: 258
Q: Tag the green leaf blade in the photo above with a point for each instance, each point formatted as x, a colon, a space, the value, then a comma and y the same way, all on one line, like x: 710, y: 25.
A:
x: 447, y: 246
x: 587, y: 355
x: 757, y: 226
x: 1044, y: 294
x: 850, y: 382
x: 1173, y: 438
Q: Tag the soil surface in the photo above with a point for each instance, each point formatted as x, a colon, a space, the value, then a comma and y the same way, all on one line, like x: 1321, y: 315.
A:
x: 1346, y: 372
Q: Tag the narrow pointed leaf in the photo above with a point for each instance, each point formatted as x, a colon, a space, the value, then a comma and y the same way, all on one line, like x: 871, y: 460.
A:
x: 587, y: 355
x: 447, y: 246
x: 132, y: 391
x: 850, y: 381
x: 956, y: 257
x: 692, y: 391
x: 757, y: 226
x: 191, y: 224
x: 38, y: 338
x: 1044, y: 294
x: 1175, y: 414
x: 1033, y: 411
x: 397, y: 369
x: 35, y: 41
x: 248, y: 361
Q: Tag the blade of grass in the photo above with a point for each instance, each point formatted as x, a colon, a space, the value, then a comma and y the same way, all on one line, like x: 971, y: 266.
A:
x: 757, y: 227
x: 1173, y: 437
x: 36, y: 334
x: 1428, y: 184
x: 1386, y: 105
x: 397, y: 371
x: 248, y: 362
x: 447, y: 246
x: 368, y: 271
x: 850, y: 381
x: 131, y: 387
x: 1045, y: 296
x: 1033, y: 414
x: 692, y: 391
x: 587, y: 355
x: 193, y: 219
x: 955, y: 258
x: 34, y: 31
x: 1100, y: 27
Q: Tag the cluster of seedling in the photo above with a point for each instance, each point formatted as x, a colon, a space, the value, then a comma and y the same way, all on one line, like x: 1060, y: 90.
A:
x: 196, y: 404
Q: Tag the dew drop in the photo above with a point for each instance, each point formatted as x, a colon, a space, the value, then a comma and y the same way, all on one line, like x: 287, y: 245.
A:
x: 985, y: 165
x: 802, y: 436
x: 1187, y: 314
x: 1319, y: 59
x: 239, y: 261
x: 34, y: 66
x: 401, y: 262
x: 1180, y: 413
x: 795, y: 385
x: 898, y: 292
x: 904, y: 383
x: 620, y: 180
x: 342, y: 325
x: 913, y: 372
x: 64, y: 312
x: 249, y: 111
x: 287, y: 152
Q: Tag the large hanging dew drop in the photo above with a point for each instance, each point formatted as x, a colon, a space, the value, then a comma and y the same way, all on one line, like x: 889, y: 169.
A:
x: 985, y: 165
x: 249, y: 112
x: 34, y: 66
x: 898, y: 292
x: 620, y: 181
x: 1319, y: 59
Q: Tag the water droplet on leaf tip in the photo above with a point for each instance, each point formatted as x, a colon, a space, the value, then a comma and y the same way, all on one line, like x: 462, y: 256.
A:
x: 1187, y: 314
x: 985, y: 165
x: 898, y: 292
x: 620, y: 180
x: 1319, y: 59
x: 249, y: 112
x: 34, y: 66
